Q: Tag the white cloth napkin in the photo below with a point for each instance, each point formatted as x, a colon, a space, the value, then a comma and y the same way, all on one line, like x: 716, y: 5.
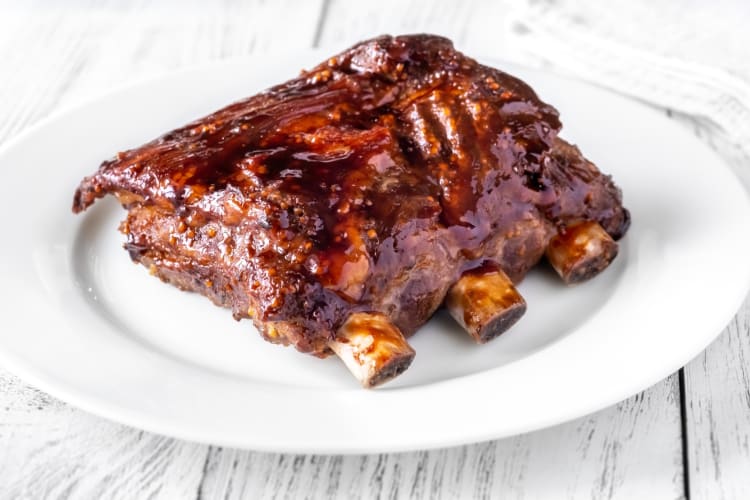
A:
x: 654, y: 53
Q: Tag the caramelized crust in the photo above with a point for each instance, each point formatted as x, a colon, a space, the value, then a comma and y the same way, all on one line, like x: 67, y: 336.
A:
x: 369, y: 183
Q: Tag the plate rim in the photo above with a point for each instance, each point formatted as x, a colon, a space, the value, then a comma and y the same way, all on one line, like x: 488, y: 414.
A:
x: 37, y: 379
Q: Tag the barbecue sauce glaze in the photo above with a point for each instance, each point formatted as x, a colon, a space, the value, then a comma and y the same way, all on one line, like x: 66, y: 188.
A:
x: 368, y: 183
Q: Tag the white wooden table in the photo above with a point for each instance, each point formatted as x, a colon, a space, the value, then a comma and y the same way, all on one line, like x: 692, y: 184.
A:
x: 687, y: 436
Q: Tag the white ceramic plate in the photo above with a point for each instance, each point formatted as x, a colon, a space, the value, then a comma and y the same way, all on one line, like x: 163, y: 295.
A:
x: 80, y: 321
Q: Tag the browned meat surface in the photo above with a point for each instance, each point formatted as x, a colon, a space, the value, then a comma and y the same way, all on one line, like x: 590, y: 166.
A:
x: 370, y: 183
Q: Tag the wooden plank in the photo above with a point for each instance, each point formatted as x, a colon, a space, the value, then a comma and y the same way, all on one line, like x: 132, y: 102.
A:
x: 717, y: 384
x: 718, y: 415
x: 52, y: 450
x: 481, y: 27
x: 73, y: 51
x: 631, y: 450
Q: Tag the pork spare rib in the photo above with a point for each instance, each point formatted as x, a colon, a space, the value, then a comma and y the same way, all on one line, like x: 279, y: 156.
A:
x: 340, y: 209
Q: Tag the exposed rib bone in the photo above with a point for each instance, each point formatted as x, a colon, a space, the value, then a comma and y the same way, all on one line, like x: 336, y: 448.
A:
x: 581, y: 252
x: 373, y: 349
x: 485, y: 302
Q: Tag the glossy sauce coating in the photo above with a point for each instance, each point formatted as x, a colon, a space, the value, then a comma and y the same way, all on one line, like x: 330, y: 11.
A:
x: 581, y: 251
x: 369, y: 183
x: 485, y: 302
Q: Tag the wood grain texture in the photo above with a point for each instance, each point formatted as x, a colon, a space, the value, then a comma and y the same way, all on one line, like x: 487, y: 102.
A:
x: 627, y: 451
x: 476, y: 26
x: 718, y: 415
x: 56, y: 55
x: 52, y: 450
x: 717, y: 383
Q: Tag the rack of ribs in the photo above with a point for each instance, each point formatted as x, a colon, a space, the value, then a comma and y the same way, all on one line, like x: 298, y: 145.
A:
x: 340, y: 209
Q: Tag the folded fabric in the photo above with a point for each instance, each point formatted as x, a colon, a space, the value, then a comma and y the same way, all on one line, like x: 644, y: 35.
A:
x: 559, y: 38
